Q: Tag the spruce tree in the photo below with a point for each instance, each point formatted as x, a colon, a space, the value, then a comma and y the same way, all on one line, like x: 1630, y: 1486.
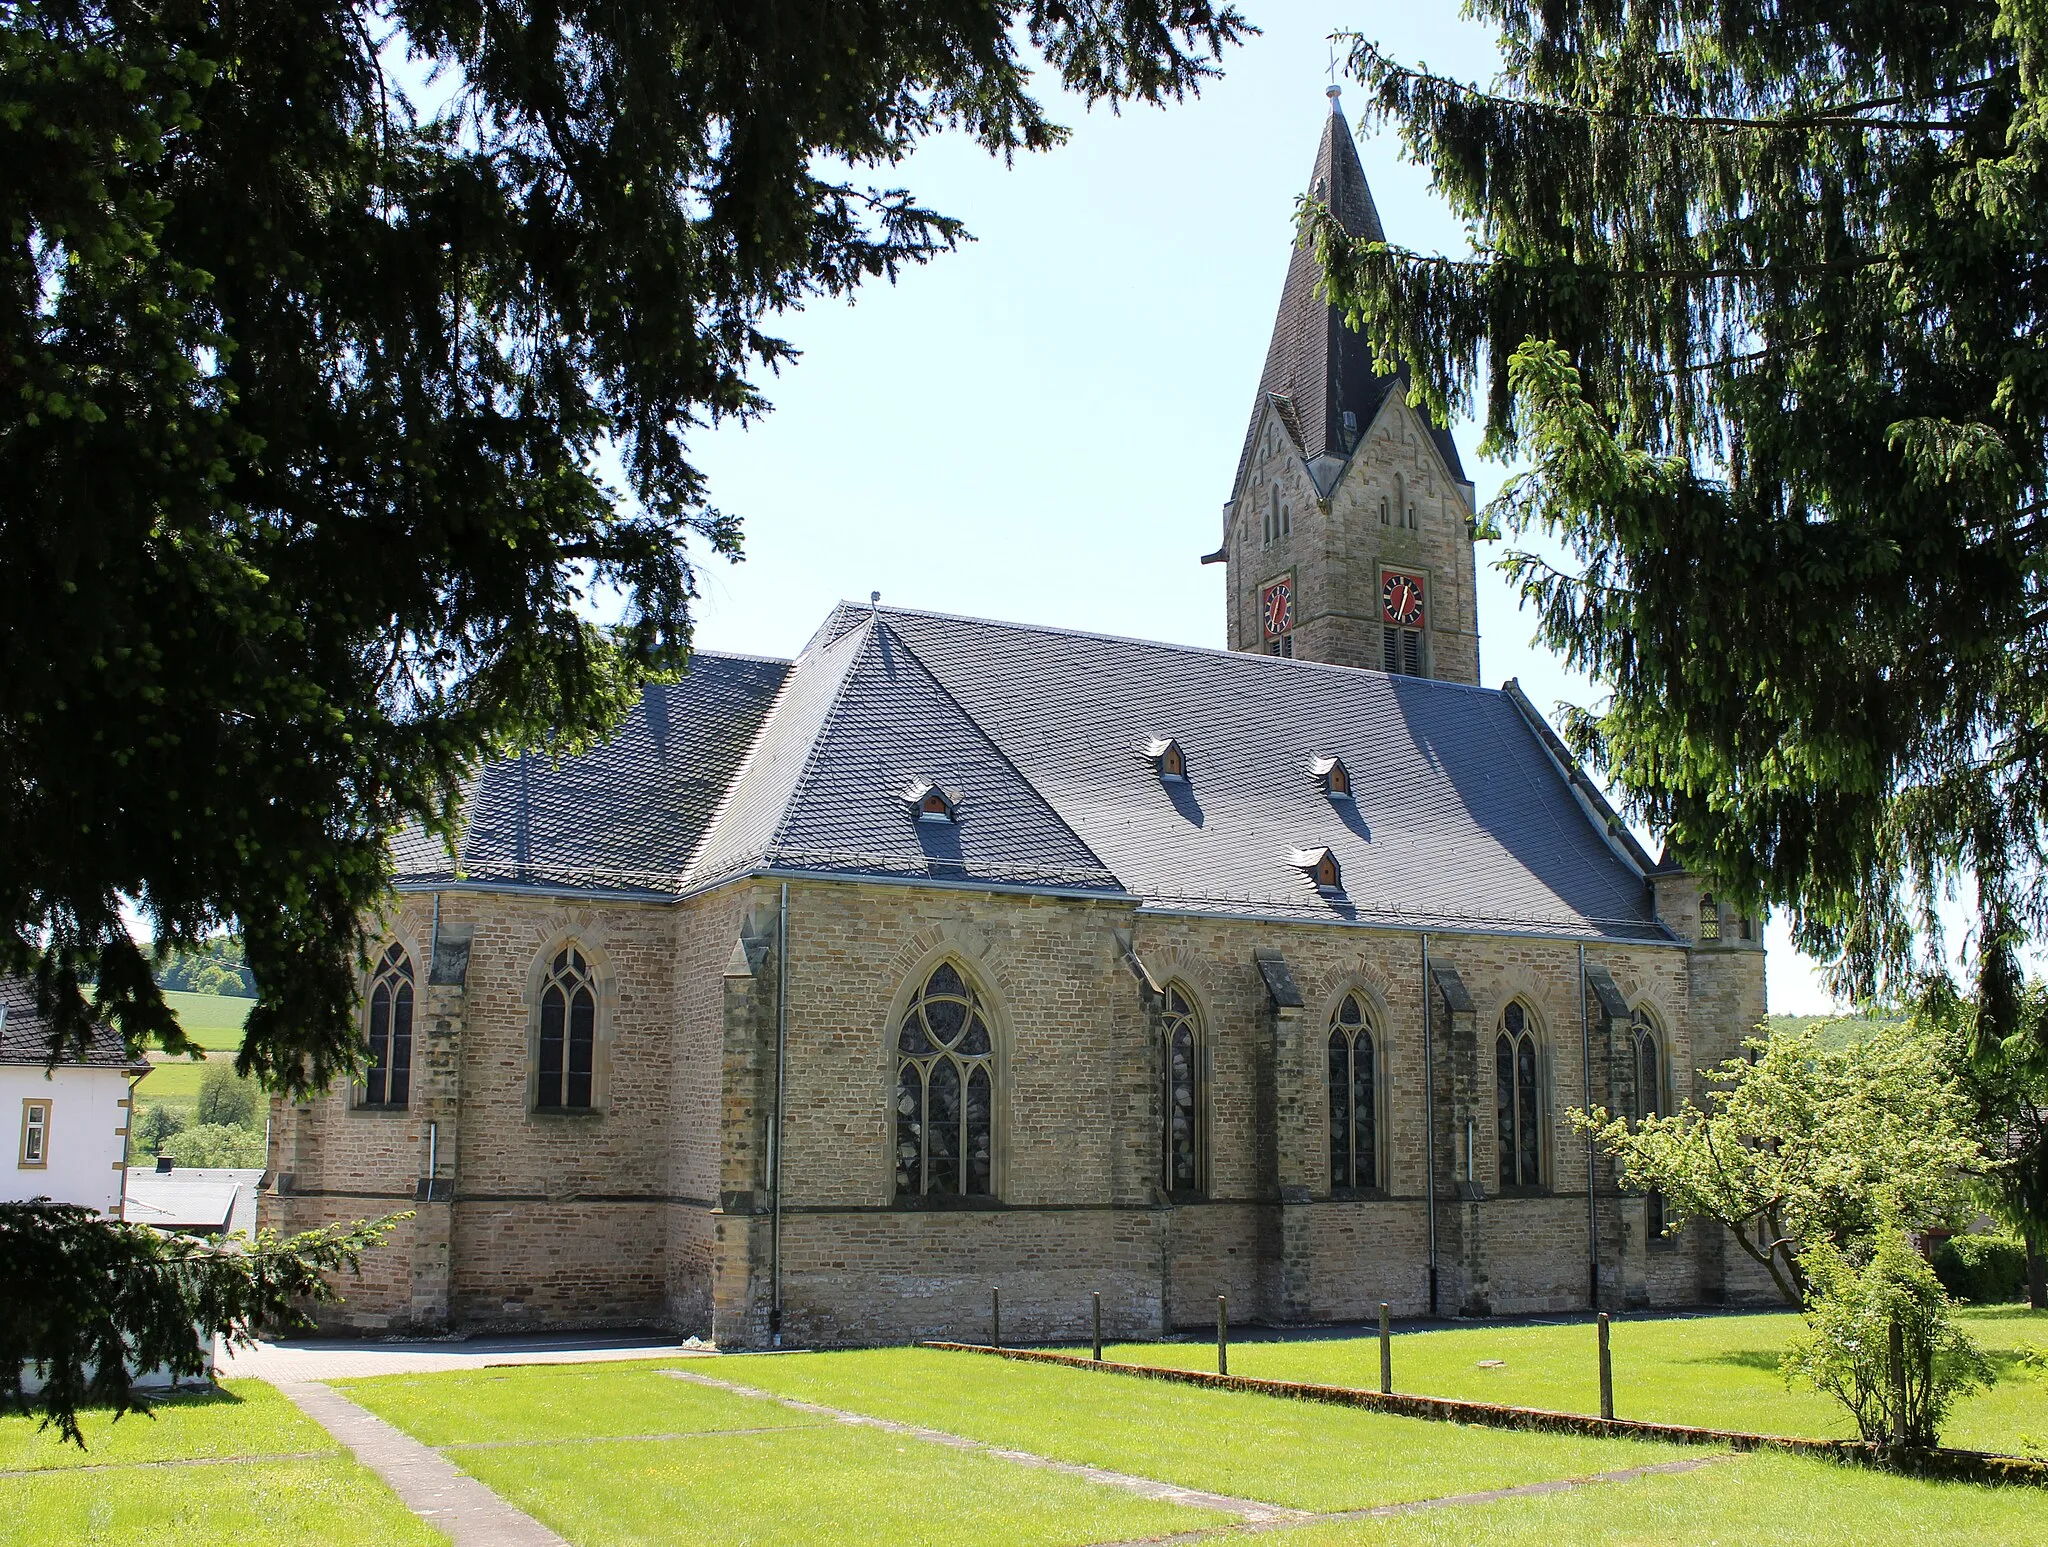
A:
x: 306, y: 395
x: 1760, y: 291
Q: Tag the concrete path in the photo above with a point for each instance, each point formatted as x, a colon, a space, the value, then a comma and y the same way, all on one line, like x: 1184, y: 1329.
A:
x: 426, y: 1482
x: 334, y: 1359
x: 1249, y: 1510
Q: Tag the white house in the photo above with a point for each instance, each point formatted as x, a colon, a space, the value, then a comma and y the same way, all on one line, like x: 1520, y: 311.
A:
x: 70, y: 1122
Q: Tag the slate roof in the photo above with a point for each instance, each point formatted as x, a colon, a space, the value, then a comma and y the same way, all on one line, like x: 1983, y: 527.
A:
x: 25, y: 1033
x: 1462, y: 818
x: 624, y: 817
x: 1317, y: 369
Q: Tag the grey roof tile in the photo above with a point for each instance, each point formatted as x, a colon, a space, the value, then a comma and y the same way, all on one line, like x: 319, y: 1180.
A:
x: 1459, y: 818
x: 25, y: 1033
x: 627, y: 815
x: 1317, y: 369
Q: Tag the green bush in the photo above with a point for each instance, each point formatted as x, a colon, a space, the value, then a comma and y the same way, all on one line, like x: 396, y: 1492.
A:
x: 1983, y: 1269
x: 1880, y: 1340
x: 216, y: 1144
x: 157, y: 1125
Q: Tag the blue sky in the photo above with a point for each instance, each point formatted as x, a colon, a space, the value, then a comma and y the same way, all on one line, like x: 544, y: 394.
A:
x: 1042, y: 426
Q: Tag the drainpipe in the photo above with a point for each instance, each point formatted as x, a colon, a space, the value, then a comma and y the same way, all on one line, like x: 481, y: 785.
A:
x: 1592, y: 1207
x: 1429, y: 1122
x: 775, y: 1127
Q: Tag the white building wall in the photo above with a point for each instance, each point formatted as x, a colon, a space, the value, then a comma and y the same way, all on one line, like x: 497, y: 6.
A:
x: 87, y: 1142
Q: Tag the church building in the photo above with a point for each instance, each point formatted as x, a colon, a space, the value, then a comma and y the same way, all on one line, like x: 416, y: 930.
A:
x: 954, y: 956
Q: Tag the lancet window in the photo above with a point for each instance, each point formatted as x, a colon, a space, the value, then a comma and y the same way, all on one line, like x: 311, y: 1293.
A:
x: 1183, y: 1112
x: 1518, y: 1116
x: 568, y: 1035
x: 1354, y: 1107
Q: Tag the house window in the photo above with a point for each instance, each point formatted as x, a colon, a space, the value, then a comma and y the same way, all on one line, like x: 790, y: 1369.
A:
x: 1710, y: 918
x: 35, y: 1134
x: 945, y: 1092
x: 389, y: 1081
x: 1518, y: 1117
x: 1183, y: 1137
x: 1652, y: 1071
x: 1354, y: 1110
x: 568, y: 1035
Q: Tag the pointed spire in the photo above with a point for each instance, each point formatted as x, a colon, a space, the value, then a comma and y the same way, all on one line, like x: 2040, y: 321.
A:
x: 1317, y: 369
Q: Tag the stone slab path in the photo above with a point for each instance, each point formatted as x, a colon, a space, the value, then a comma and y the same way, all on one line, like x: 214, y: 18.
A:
x: 336, y: 1359
x: 1146, y: 1487
x: 426, y: 1482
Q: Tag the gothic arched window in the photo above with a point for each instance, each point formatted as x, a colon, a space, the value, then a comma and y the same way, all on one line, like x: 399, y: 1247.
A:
x: 1518, y: 1115
x: 1653, y: 1071
x: 568, y: 1034
x: 389, y: 1081
x: 1354, y: 1108
x: 1183, y: 1135
x: 945, y: 1092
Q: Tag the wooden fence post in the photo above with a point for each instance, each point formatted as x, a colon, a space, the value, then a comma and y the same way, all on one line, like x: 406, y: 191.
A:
x: 1606, y: 1372
x: 1098, y: 1326
x: 1386, y: 1350
x: 995, y: 1318
x: 1222, y: 1337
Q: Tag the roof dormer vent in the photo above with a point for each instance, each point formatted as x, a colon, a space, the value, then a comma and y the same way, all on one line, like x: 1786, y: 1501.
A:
x: 1321, y: 867
x: 1334, y: 776
x: 1165, y: 754
x: 930, y: 802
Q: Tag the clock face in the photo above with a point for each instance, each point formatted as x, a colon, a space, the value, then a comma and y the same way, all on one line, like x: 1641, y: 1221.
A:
x: 1276, y: 603
x: 1401, y: 599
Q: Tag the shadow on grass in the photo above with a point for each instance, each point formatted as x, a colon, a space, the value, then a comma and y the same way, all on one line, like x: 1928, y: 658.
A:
x: 1764, y: 1359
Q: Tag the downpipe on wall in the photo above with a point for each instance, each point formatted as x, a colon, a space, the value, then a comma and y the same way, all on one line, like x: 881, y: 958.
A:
x: 775, y: 1125
x: 1429, y: 1122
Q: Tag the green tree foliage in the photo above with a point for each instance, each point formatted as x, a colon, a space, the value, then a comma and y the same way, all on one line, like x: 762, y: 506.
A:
x: 1801, y: 1144
x: 1880, y: 1339
x: 216, y: 966
x: 307, y: 393
x: 1759, y: 291
x: 2005, y: 1080
x: 226, y: 1097
x: 216, y: 1144
x: 156, y: 1125
x: 110, y: 1301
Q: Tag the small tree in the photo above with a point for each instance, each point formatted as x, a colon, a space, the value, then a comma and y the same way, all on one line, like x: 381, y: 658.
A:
x: 158, y: 1124
x: 216, y: 1144
x: 1804, y: 1144
x: 92, y: 1302
x: 1880, y: 1339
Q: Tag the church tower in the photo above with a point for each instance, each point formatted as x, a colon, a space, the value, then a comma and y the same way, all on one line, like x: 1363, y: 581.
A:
x: 1348, y: 533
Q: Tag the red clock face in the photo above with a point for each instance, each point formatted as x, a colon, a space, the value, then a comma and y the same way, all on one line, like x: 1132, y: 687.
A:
x: 1401, y: 597
x: 1277, y: 603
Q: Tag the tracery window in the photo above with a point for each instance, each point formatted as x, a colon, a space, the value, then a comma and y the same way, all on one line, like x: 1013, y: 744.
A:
x: 945, y: 1092
x: 1354, y: 1108
x: 1183, y: 1137
x: 389, y: 1080
x: 568, y: 1034
x: 1517, y: 1113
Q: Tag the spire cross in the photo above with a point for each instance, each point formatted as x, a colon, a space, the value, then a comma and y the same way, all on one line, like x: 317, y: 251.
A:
x: 1335, y: 90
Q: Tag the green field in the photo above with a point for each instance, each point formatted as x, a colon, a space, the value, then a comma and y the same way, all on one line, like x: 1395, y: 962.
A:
x: 1716, y: 1372
x: 214, y: 1021
x: 292, y: 1484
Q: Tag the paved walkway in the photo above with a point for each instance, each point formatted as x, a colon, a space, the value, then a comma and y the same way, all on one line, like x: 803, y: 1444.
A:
x: 335, y: 1359
x: 426, y: 1482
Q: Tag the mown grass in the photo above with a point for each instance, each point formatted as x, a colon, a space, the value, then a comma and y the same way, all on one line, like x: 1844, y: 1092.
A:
x: 1268, y: 1448
x: 1718, y: 1372
x: 558, y: 1442
x: 214, y: 1021
x: 47, y: 1493
x: 1745, y: 1501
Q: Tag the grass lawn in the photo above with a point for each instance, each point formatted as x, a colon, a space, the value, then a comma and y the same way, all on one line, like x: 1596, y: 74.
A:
x: 1720, y: 1372
x: 212, y: 1020
x: 1268, y: 1448
x: 567, y: 1446
x: 48, y: 1495
x: 573, y: 1447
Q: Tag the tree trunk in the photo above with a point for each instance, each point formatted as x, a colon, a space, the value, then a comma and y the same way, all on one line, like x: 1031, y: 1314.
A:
x: 2037, y: 1275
